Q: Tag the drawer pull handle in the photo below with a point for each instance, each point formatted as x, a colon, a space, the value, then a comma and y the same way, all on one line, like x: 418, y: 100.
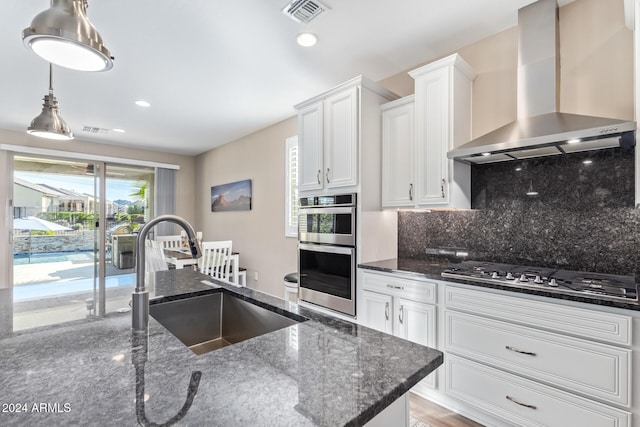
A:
x: 520, y: 403
x: 386, y: 311
x: 515, y: 350
x: 395, y: 287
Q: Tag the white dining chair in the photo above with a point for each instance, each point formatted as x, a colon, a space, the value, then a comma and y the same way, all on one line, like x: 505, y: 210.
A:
x: 154, y: 259
x: 215, y: 260
x: 170, y: 242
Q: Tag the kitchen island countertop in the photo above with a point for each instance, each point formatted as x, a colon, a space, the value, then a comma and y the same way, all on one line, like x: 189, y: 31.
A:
x: 322, y: 371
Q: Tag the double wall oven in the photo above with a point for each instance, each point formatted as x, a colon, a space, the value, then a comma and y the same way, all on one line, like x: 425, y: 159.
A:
x: 327, y: 252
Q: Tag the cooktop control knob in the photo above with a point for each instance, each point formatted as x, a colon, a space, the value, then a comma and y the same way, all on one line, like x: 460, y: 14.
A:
x: 509, y: 276
x: 553, y: 282
x: 538, y: 280
x: 523, y: 278
x: 495, y: 275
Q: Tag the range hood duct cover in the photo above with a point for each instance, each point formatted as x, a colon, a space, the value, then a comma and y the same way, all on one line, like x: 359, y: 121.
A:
x: 540, y: 130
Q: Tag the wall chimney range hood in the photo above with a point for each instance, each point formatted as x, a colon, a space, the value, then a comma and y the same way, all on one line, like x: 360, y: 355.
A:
x: 540, y: 130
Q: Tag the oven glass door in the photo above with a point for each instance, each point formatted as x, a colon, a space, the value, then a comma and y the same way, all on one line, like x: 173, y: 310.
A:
x: 327, y: 225
x: 327, y: 276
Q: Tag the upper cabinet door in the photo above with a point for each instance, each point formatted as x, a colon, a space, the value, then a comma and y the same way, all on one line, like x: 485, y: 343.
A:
x: 310, y: 134
x: 341, y: 139
x: 443, y: 121
x: 432, y: 114
x: 398, y: 156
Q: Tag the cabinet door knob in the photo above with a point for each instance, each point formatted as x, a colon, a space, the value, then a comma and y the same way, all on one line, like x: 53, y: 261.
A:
x: 515, y: 350
x: 386, y: 310
x: 327, y: 175
x: 511, y: 399
x: 401, y: 315
x: 410, y: 191
x: 318, y: 176
x: 442, y: 183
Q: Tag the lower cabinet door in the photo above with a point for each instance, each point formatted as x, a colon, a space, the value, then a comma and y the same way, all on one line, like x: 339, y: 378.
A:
x: 378, y: 311
x: 596, y: 370
x: 524, y: 402
x: 416, y: 322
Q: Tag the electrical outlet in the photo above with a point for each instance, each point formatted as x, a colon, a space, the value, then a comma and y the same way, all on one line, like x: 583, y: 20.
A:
x: 255, y: 276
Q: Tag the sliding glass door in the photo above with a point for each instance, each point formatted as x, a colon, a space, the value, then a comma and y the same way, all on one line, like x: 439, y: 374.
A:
x: 73, y: 254
x: 129, y: 204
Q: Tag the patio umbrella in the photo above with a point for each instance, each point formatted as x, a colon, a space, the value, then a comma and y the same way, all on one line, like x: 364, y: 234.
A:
x: 33, y: 223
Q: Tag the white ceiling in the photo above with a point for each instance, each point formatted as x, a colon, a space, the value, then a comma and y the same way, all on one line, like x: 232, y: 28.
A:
x: 215, y: 71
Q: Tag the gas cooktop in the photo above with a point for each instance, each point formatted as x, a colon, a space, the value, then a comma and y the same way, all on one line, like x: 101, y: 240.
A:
x: 587, y: 285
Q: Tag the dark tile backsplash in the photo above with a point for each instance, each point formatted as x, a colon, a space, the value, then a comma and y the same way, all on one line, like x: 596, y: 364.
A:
x: 583, y: 217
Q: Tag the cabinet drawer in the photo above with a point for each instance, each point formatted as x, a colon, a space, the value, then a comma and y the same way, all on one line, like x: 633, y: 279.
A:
x: 591, y: 324
x: 415, y: 290
x: 523, y: 402
x: 597, y: 370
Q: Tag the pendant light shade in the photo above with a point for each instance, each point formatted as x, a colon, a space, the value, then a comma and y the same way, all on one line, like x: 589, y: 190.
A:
x: 49, y: 124
x: 64, y: 36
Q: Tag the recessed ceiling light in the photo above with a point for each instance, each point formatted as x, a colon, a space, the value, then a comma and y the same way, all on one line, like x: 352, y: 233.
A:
x: 587, y: 162
x: 307, y: 39
x: 142, y: 103
x: 118, y: 130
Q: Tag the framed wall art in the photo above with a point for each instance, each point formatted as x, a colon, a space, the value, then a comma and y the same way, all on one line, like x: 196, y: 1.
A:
x: 235, y: 196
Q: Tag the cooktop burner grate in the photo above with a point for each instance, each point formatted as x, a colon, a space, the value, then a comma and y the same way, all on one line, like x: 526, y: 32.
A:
x: 586, y: 284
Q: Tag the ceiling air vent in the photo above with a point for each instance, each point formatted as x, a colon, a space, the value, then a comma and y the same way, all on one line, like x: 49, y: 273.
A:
x: 304, y: 11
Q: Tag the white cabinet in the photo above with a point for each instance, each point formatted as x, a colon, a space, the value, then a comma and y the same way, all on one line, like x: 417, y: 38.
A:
x: 523, y: 402
x: 513, y: 359
x: 400, y: 307
x: 441, y: 120
x: 537, y: 363
x: 329, y: 127
x: 376, y: 311
x: 398, y: 153
x: 341, y: 139
x: 310, y: 123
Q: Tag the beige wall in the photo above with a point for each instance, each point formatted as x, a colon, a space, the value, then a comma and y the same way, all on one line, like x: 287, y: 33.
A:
x: 596, y: 67
x: 258, y: 234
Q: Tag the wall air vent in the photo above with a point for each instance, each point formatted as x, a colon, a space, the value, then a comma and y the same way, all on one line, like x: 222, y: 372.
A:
x: 94, y: 129
x: 304, y: 11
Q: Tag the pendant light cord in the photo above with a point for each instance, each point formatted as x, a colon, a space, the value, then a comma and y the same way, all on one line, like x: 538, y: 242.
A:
x: 50, y: 78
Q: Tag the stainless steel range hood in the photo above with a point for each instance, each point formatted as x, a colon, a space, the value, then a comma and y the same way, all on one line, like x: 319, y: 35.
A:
x: 540, y: 129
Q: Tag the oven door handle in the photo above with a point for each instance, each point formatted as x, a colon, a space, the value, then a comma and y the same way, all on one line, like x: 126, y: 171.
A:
x: 334, y: 210
x: 326, y: 248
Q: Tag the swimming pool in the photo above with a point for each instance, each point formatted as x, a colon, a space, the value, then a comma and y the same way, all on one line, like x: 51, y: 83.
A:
x: 45, y: 257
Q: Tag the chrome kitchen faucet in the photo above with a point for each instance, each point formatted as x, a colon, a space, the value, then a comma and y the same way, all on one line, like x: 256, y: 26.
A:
x: 140, y: 297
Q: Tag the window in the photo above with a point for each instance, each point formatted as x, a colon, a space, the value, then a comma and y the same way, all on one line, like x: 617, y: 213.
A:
x: 291, y: 188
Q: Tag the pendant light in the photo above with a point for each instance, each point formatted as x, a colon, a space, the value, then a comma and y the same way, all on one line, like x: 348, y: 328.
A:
x: 49, y: 124
x: 64, y: 36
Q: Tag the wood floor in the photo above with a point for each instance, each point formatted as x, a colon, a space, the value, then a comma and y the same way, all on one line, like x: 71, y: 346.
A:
x: 436, y: 416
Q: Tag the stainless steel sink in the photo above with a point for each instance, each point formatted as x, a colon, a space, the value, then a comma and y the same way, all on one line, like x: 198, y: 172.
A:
x: 213, y: 321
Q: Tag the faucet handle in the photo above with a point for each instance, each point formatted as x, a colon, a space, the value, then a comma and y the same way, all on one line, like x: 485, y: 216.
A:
x: 194, y: 247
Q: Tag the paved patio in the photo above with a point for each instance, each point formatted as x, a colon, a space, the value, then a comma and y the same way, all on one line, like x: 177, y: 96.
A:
x: 49, y: 293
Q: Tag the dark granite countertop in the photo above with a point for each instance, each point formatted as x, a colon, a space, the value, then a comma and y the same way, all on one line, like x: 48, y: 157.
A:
x: 323, y: 371
x: 433, y: 268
